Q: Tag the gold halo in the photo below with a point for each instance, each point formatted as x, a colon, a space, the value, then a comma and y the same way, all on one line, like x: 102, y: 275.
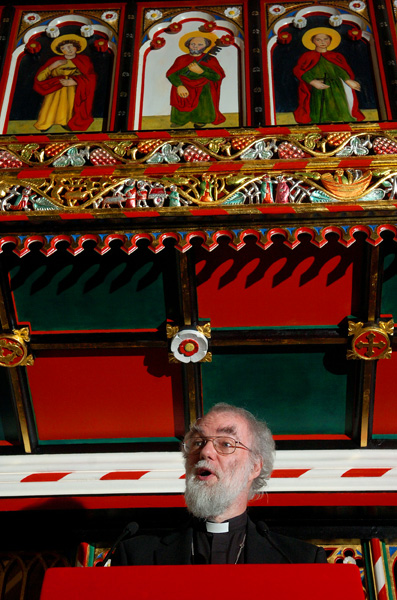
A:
x: 82, y: 41
x: 334, y: 35
x: 193, y: 34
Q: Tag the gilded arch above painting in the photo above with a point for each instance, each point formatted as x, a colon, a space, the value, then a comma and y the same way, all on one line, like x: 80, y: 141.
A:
x: 72, y: 91
x: 177, y: 85
x: 321, y: 64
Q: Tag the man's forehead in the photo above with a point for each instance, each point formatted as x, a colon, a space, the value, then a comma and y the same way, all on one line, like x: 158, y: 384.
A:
x: 219, y: 423
x: 198, y: 40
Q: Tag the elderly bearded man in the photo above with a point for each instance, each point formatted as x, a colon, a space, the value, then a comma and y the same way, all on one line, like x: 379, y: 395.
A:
x: 228, y: 457
x: 196, y: 86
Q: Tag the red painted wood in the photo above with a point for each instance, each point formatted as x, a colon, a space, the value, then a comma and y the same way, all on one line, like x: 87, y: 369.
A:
x: 212, y: 133
x: 161, y: 169
x: 28, y: 173
x: 70, y: 216
x: 36, y: 477
x: 150, y: 135
x: 121, y: 475
x: 365, y: 472
x: 208, y: 211
x: 385, y: 414
x: 106, y: 171
x: 290, y: 164
x: 288, y: 473
x: 276, y: 208
x: 344, y: 207
x: 346, y: 163
x: 300, y: 582
x: 225, y: 166
x: 334, y: 127
x: 279, y: 287
x: 28, y: 139
x: 276, y: 130
x: 141, y: 213
x: 11, y: 217
x: 86, y: 137
x: 73, y: 397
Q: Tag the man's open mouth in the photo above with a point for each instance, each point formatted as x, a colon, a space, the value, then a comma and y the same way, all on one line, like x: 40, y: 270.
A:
x: 203, y: 474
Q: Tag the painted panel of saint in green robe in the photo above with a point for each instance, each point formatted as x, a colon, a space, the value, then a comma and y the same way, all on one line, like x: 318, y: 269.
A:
x: 329, y: 104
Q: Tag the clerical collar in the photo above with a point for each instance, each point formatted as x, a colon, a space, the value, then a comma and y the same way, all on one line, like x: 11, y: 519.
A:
x: 235, y: 523
x: 217, y: 527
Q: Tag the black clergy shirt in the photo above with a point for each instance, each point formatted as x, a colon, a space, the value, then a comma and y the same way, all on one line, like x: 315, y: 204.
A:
x: 219, y: 548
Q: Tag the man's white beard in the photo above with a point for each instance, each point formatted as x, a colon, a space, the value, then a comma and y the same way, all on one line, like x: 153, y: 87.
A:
x: 195, y: 52
x: 209, y: 501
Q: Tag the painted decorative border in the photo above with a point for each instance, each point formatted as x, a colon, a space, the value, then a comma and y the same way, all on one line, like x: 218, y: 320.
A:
x: 163, y: 473
x: 301, y: 171
x: 183, y: 239
x: 154, y: 148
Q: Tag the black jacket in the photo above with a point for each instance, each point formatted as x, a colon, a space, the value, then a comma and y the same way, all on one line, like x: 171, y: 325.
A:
x: 261, y: 547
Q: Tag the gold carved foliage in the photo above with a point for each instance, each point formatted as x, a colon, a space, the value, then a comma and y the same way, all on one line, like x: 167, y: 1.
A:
x: 243, y: 144
x: 243, y: 168
x: 177, y: 190
x: 171, y: 330
x: 205, y: 329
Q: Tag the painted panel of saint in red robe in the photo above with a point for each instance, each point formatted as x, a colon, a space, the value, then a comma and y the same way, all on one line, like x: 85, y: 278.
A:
x: 321, y: 64
x: 65, y: 64
x: 190, y: 68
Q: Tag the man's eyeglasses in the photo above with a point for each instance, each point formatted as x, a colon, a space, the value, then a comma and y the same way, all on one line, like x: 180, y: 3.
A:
x: 222, y: 444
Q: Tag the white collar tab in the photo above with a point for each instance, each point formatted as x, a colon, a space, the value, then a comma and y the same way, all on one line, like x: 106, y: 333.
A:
x: 217, y: 527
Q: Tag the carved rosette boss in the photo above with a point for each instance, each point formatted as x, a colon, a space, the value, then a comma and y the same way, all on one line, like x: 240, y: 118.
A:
x: 189, y: 344
x: 14, y: 350
x: 371, y: 341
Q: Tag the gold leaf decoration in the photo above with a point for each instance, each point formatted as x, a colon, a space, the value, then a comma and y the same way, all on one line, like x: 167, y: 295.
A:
x: 207, y: 357
x: 308, y: 175
x: 215, y: 144
x: 205, y: 329
x: 388, y: 353
x: 354, y: 327
x: 28, y: 150
x: 171, y: 330
x: 311, y: 140
x: 121, y: 148
x: 23, y: 333
x: 350, y: 355
x: 387, y: 326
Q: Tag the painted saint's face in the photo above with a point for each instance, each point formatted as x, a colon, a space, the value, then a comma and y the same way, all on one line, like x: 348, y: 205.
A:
x: 197, y: 46
x: 321, y: 42
x: 68, y: 50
